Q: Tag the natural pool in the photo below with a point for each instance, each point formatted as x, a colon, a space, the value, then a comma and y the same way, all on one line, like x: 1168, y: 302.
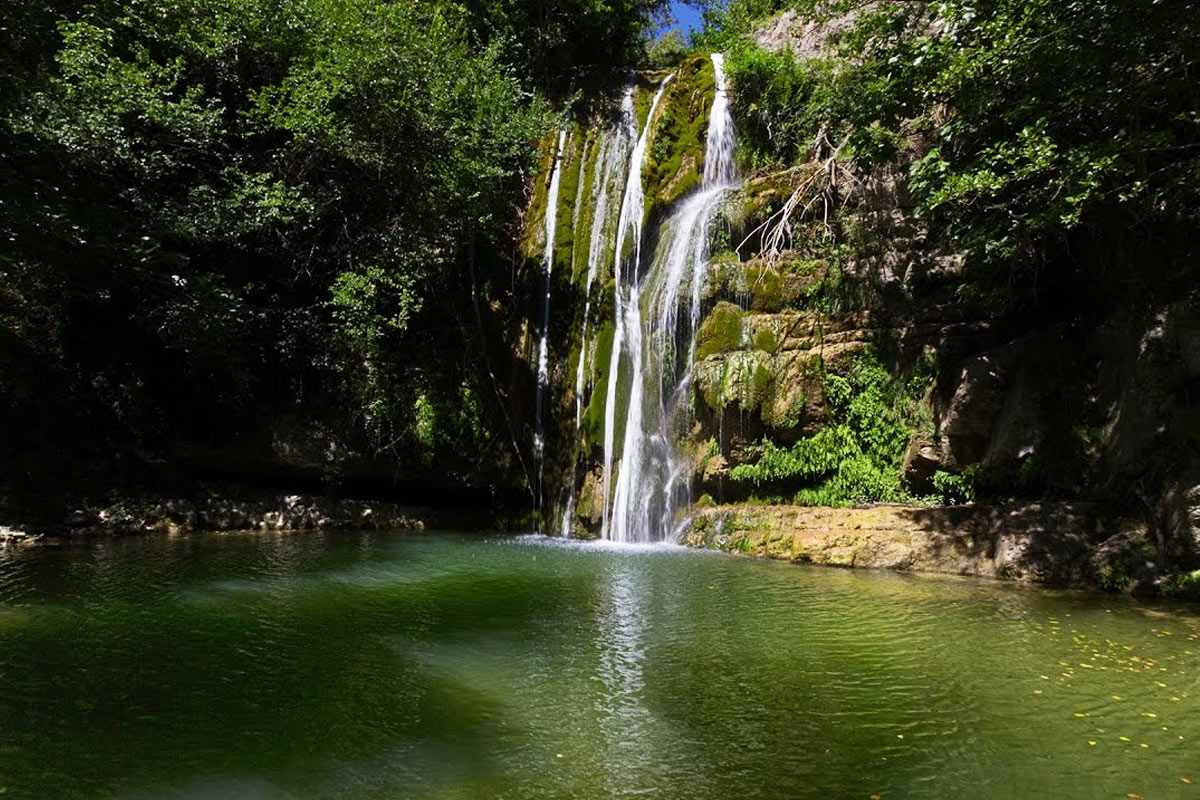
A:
x: 369, y: 666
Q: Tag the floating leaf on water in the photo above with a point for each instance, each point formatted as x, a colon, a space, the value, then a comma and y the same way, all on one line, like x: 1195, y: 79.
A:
x: 1125, y: 739
x: 1145, y: 745
x: 1091, y: 742
x: 1133, y: 796
x: 1117, y: 697
x: 1185, y: 780
x: 1148, y: 715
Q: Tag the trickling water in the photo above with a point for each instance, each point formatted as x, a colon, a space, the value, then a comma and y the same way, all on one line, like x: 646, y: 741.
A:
x: 633, y: 209
x: 652, y: 480
x: 543, y: 347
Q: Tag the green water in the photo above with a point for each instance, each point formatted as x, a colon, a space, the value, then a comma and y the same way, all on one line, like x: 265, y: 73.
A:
x: 247, y: 667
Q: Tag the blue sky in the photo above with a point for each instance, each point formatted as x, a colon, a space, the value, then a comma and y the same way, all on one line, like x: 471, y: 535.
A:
x: 688, y: 18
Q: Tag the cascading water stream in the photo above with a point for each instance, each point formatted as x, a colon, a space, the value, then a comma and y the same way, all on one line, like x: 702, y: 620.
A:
x: 633, y: 209
x: 652, y: 480
x: 543, y: 374
x: 612, y: 155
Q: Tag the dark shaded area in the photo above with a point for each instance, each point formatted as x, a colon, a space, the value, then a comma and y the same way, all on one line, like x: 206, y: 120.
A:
x: 271, y: 246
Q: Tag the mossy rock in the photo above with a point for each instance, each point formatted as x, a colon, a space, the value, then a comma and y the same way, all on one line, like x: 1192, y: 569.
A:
x: 765, y: 288
x: 722, y: 331
x: 675, y: 158
x: 742, y: 377
x: 533, y: 234
x: 592, y: 424
x: 766, y: 340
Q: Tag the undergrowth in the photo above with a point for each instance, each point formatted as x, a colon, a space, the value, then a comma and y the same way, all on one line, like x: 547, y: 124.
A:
x: 856, y: 457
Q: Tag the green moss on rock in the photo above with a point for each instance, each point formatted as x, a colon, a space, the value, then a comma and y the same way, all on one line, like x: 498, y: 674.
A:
x: 721, y: 331
x: 676, y: 156
x: 592, y: 424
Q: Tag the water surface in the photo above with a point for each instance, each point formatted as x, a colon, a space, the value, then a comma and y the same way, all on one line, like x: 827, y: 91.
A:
x: 373, y: 666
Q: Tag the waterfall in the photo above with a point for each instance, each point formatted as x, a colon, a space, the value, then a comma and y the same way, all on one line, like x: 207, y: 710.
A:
x: 633, y: 209
x: 543, y: 373
x: 612, y: 155
x: 652, y: 480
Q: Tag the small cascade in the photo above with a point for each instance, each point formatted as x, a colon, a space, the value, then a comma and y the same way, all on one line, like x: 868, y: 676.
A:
x: 629, y: 224
x: 652, y: 481
x: 543, y: 374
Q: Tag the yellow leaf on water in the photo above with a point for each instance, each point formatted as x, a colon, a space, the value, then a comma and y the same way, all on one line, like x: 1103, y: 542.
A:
x: 1125, y: 739
x: 1185, y: 780
x: 1116, y: 697
x: 1149, y: 715
x: 1091, y: 742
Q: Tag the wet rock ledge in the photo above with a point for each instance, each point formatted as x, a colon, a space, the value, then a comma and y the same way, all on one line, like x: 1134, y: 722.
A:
x: 1059, y: 544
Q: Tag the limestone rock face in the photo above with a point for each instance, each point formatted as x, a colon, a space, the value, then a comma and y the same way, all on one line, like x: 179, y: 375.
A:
x: 806, y: 38
x: 967, y: 422
x: 1053, y: 543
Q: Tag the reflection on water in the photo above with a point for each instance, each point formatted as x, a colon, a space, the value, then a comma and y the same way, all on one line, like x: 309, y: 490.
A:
x: 624, y: 718
x: 379, y: 667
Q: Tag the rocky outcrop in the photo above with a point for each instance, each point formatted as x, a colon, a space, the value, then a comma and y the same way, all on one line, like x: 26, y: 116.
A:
x: 1052, y: 543
x: 266, y: 513
x: 806, y: 37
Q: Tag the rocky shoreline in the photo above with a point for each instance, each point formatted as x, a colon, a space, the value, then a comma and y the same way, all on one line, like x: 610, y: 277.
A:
x: 1059, y: 544
x: 220, y: 513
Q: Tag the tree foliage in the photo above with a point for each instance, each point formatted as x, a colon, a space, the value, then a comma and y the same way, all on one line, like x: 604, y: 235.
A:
x: 219, y: 210
x: 1041, y: 128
